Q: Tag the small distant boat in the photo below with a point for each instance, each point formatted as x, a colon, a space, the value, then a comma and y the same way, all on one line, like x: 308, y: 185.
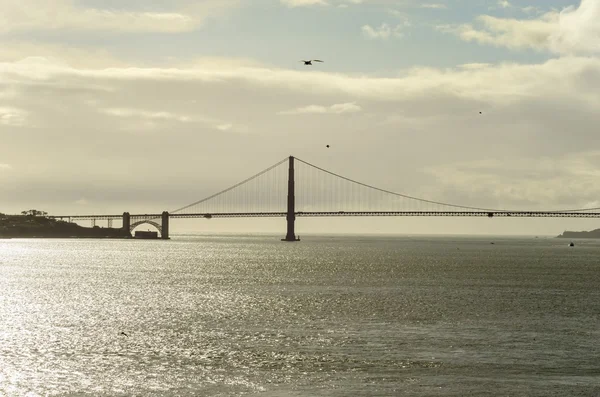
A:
x: 571, y: 244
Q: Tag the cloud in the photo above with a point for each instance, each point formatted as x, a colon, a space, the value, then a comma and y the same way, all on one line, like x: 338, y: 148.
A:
x: 484, y: 83
x: 537, y: 181
x: 404, y: 130
x: 578, y: 29
x: 87, y: 58
x: 5, y: 166
x: 136, y: 113
x: 474, y: 65
x: 12, y: 116
x: 339, y: 108
x: 531, y: 10
x: 504, y: 4
x: 224, y: 127
x: 571, y: 31
x: 384, y: 31
x: 510, y: 33
x: 141, y: 119
x: 27, y: 15
x: 303, y: 3
x: 434, y: 6
x: 310, y: 3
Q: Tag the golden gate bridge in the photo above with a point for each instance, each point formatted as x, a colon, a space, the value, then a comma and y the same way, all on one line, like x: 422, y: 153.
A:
x: 295, y: 188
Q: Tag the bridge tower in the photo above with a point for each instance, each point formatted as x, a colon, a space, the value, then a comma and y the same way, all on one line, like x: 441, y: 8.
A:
x: 165, y: 226
x: 126, y: 222
x: 291, y: 204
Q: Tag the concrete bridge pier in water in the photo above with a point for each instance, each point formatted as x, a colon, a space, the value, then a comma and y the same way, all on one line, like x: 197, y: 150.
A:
x: 127, y: 222
x: 291, y: 204
x: 164, y: 226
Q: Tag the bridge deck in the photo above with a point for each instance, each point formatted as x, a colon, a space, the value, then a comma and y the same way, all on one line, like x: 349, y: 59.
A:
x: 492, y: 214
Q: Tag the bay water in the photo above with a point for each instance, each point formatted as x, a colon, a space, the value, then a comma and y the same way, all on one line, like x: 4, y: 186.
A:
x: 228, y: 315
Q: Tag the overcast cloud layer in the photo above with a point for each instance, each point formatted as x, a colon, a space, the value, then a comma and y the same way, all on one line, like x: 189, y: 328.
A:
x: 94, y: 119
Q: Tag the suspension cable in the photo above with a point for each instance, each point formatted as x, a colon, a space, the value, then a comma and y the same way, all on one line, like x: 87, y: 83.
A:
x: 367, y: 186
x: 232, y: 187
x: 399, y: 194
x: 435, y: 202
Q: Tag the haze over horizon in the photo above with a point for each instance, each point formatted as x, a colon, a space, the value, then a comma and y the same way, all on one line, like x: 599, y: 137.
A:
x: 111, y: 106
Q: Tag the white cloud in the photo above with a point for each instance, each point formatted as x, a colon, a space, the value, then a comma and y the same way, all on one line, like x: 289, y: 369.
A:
x: 88, y: 58
x: 421, y: 119
x: 303, y: 3
x: 11, y: 116
x: 384, y: 31
x: 435, y: 6
x: 510, y: 33
x: 5, y: 166
x: 224, y: 127
x: 527, y: 181
x: 310, y: 3
x: 160, y: 115
x: 473, y: 66
x: 504, y: 82
x: 27, y: 15
x: 578, y: 29
x: 339, y: 108
x: 571, y: 31
x: 140, y: 119
x: 531, y: 10
x: 504, y: 4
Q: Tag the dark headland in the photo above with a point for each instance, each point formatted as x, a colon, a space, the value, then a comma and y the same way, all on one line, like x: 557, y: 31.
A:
x: 30, y: 226
x: 591, y: 234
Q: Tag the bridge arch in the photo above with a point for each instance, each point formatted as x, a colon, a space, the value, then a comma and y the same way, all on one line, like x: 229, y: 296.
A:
x: 158, y: 226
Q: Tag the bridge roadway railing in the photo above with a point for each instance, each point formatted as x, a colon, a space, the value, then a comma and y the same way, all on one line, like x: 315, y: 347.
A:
x: 502, y: 214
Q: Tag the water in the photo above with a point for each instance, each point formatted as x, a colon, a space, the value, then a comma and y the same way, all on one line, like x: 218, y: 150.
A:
x: 329, y: 316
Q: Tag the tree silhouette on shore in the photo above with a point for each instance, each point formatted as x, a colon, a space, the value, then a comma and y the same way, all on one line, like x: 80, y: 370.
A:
x: 34, y: 213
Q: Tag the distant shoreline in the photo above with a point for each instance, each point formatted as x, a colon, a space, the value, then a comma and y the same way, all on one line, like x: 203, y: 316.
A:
x: 66, y: 237
x: 591, y: 234
x: 29, y: 226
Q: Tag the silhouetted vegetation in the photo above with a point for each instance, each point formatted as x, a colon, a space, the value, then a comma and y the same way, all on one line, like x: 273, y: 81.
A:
x: 34, y: 213
x: 590, y: 234
x: 34, y: 223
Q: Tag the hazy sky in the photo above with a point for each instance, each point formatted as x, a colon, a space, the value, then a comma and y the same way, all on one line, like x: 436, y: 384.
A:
x: 118, y: 105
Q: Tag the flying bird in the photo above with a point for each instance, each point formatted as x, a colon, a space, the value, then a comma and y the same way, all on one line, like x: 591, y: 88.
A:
x: 309, y: 62
x: 123, y: 333
x: 328, y: 146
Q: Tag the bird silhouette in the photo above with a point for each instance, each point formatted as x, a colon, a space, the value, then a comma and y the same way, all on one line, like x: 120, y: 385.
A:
x: 327, y: 146
x: 123, y: 333
x: 309, y: 62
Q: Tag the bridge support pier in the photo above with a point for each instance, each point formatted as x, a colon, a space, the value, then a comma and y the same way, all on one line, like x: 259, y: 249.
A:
x: 165, y: 226
x: 291, y: 205
x: 127, y: 223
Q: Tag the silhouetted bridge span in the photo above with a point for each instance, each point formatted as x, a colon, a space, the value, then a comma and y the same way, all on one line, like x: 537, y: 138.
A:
x: 310, y: 191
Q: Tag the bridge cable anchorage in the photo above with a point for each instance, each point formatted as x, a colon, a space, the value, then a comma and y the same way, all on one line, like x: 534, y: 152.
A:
x: 231, y: 188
